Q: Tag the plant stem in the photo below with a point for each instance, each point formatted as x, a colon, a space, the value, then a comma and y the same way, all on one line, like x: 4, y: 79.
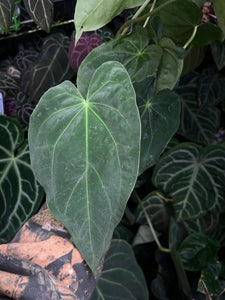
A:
x: 151, y: 9
x: 192, y: 37
x: 142, y: 18
x: 150, y: 225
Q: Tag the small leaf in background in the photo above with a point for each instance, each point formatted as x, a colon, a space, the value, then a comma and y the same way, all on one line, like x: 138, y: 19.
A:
x: 105, y: 34
x: 41, y: 12
x: 121, y: 232
x: 197, y: 251
x: 194, y: 57
x: 211, y: 87
x: 198, y: 122
x: 50, y: 68
x: 132, y: 51
x: 7, y: 82
x: 218, y: 53
x: 20, y: 194
x: 96, y: 142
x: 219, y: 7
x: 24, y: 59
x: 84, y: 46
x: 194, y: 177
x: 121, y: 277
x: 179, y: 19
x: 158, y: 211
x: 143, y: 235
x: 160, y: 119
x: 170, y: 66
x: 88, y: 18
x: 6, y: 13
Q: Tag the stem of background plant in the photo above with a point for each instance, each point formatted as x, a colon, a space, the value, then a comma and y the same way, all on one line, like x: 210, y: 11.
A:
x: 151, y: 9
x: 192, y: 37
x: 161, y: 248
x: 142, y: 18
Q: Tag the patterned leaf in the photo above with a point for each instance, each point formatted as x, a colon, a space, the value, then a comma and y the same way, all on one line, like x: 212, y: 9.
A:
x: 121, y: 277
x: 194, y: 177
x: 51, y: 68
x: 20, y: 195
x: 157, y: 124
x: 7, y: 82
x: 6, y: 13
x: 41, y: 12
x: 198, y: 122
x: 25, y: 58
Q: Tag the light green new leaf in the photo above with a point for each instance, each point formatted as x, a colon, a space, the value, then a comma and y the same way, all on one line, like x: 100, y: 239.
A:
x: 41, y: 12
x: 160, y: 119
x: 194, y: 177
x: 91, y: 15
x: 121, y: 277
x: 20, y: 194
x: 6, y: 13
x: 132, y: 51
x: 85, y: 153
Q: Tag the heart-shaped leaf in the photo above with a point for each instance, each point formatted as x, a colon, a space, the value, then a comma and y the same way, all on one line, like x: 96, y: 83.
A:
x: 160, y: 119
x: 198, y: 122
x: 20, y: 195
x: 6, y: 13
x: 132, y: 51
x: 95, y: 14
x: 96, y: 144
x: 121, y: 277
x: 194, y: 177
x: 41, y: 12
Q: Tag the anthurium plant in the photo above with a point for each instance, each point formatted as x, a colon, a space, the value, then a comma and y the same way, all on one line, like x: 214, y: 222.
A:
x: 133, y: 148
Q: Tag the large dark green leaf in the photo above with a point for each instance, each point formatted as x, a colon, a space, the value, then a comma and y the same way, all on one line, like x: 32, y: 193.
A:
x: 6, y: 13
x: 218, y: 53
x: 95, y: 14
x: 95, y: 144
x: 132, y: 51
x: 179, y: 19
x: 20, y: 195
x: 197, y: 250
x: 194, y: 177
x: 121, y: 277
x: 198, y: 122
x: 194, y: 57
x: 207, y: 33
x: 51, y: 67
x: 41, y: 12
x: 160, y: 119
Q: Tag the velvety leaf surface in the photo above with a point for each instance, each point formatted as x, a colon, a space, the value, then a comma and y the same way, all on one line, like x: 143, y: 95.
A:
x: 41, y: 12
x: 95, y: 14
x: 6, y: 13
x: 207, y: 33
x: 121, y: 277
x: 194, y: 177
x: 179, y: 19
x: 198, y: 122
x: 218, y: 53
x: 219, y: 7
x: 160, y: 119
x: 25, y: 58
x: 84, y: 46
x: 132, y: 51
x: 51, y: 68
x: 197, y: 250
x: 20, y: 195
x: 96, y: 143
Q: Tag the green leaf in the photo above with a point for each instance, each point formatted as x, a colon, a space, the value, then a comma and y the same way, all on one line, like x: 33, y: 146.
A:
x: 160, y: 119
x: 213, y: 276
x: 95, y: 14
x: 170, y: 67
x: 121, y: 277
x: 219, y: 7
x: 41, y: 12
x: 198, y: 122
x: 157, y: 209
x: 96, y: 144
x: 6, y: 13
x: 194, y: 177
x: 199, y: 2
x: 207, y: 33
x: 197, y: 251
x: 218, y: 53
x: 193, y: 58
x: 132, y: 51
x: 143, y: 236
x: 20, y: 194
x: 51, y: 67
x: 179, y: 19
x: 121, y: 232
